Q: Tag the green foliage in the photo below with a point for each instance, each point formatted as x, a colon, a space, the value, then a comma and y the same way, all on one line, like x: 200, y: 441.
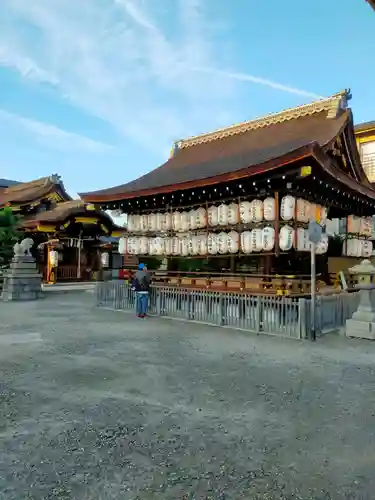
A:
x: 8, y: 235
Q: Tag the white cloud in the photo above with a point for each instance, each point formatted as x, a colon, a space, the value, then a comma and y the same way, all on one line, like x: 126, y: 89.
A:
x: 52, y: 136
x: 132, y: 63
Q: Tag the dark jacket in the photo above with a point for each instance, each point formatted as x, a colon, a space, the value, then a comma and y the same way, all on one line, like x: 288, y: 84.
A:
x: 142, y: 281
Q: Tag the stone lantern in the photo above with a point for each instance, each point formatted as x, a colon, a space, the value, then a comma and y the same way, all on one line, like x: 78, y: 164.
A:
x: 362, y: 323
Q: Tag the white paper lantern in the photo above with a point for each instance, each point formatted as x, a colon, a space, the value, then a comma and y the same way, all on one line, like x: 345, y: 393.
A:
x: 245, y: 212
x: 212, y: 244
x: 123, y: 246
x: 185, y: 219
x: 143, y: 245
x: 367, y: 249
x: 303, y: 210
x: 184, y: 246
x: 233, y: 241
x: 167, y: 246
x: 136, y: 223
x: 213, y: 216
x: 246, y: 242
x: 302, y: 242
x: 269, y: 209
x: 223, y: 212
x: 192, y: 220
x: 365, y: 228
x: 159, y: 221
x: 287, y: 208
x: 195, y: 245
x: 151, y: 246
x: 286, y: 238
x: 268, y: 238
x: 130, y: 223
x: 159, y: 246
x: 176, y: 221
x: 233, y: 214
x: 176, y: 246
x: 54, y: 258
x: 222, y: 243
x: 203, y: 249
x: 256, y: 210
x: 201, y: 218
x: 166, y: 222
x: 144, y: 223
x: 256, y: 240
x: 322, y: 246
x: 133, y: 246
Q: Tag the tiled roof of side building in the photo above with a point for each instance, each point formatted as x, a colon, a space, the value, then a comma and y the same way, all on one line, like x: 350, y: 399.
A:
x: 246, y: 145
x: 24, y: 192
x: 364, y: 127
x: 4, y: 183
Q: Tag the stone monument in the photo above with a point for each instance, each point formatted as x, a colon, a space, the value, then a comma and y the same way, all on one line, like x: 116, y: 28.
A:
x: 362, y: 323
x: 22, y: 280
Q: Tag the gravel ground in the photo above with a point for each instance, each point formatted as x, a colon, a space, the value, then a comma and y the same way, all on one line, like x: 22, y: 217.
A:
x: 99, y: 405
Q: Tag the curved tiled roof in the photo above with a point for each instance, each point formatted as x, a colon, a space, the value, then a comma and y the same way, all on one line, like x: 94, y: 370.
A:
x: 26, y: 192
x: 225, y: 152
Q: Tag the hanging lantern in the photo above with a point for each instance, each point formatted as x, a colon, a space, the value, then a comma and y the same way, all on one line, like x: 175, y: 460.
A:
x: 302, y: 242
x: 246, y: 242
x: 245, y: 212
x: 185, y: 246
x: 268, y: 238
x: 144, y: 223
x: 132, y: 245
x: 256, y: 240
x: 212, y: 244
x: 322, y: 246
x: 223, y: 212
x: 136, y: 223
x: 269, y: 209
x: 287, y: 208
x: 286, y: 238
x: 123, y: 246
x: 365, y: 228
x: 203, y: 250
x: 222, y: 243
x: 367, y: 249
x: 167, y: 245
x: 130, y: 223
x: 233, y: 241
x: 159, y: 221
x: 143, y: 245
x: 195, y: 245
x: 256, y: 210
x: 159, y: 246
x: 176, y: 245
x: 167, y: 222
x: 303, y: 210
x: 192, y: 220
x: 233, y: 214
x: 105, y: 259
x: 201, y: 218
x: 151, y: 246
x: 213, y: 216
x: 176, y: 221
x: 185, y: 219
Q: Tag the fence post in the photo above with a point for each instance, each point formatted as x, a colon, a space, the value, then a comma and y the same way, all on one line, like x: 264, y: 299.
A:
x: 302, y: 317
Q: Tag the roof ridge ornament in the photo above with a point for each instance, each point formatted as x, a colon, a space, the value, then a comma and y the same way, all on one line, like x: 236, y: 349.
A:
x: 333, y: 105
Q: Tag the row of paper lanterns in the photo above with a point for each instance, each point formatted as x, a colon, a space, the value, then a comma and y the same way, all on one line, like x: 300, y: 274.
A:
x: 291, y: 208
x: 232, y: 242
x: 356, y: 247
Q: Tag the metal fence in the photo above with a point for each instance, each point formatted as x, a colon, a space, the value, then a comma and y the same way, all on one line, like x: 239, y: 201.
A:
x: 283, y: 316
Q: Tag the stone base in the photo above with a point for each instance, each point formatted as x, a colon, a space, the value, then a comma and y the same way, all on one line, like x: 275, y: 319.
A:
x: 360, y: 329
x: 22, y: 281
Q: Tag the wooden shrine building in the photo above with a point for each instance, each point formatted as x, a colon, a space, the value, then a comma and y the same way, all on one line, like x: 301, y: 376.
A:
x: 308, y: 154
x: 63, y: 229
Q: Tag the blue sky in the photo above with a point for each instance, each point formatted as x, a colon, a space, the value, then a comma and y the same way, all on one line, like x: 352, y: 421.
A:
x: 97, y: 90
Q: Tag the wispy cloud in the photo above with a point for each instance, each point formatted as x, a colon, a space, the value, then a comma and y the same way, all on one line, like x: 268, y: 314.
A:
x: 52, y: 136
x: 133, y: 63
x: 243, y: 77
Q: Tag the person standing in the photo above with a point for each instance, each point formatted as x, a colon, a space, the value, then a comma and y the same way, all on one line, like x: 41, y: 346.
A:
x: 141, y: 285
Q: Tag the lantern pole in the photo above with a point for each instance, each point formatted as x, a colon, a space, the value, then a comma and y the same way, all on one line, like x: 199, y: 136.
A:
x: 313, y: 292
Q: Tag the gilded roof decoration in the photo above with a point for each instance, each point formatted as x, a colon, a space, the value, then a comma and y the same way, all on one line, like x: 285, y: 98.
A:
x: 332, y: 105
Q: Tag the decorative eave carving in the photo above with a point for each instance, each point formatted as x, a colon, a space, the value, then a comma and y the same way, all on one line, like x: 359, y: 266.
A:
x: 332, y: 105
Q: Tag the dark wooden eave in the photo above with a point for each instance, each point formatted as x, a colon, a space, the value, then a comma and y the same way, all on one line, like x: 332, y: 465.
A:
x: 372, y: 3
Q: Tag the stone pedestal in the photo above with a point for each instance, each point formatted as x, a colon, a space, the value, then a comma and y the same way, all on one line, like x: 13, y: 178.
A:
x: 22, y: 280
x: 362, y: 323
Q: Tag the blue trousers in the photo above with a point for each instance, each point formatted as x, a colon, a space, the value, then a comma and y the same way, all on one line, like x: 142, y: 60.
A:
x: 141, y: 303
